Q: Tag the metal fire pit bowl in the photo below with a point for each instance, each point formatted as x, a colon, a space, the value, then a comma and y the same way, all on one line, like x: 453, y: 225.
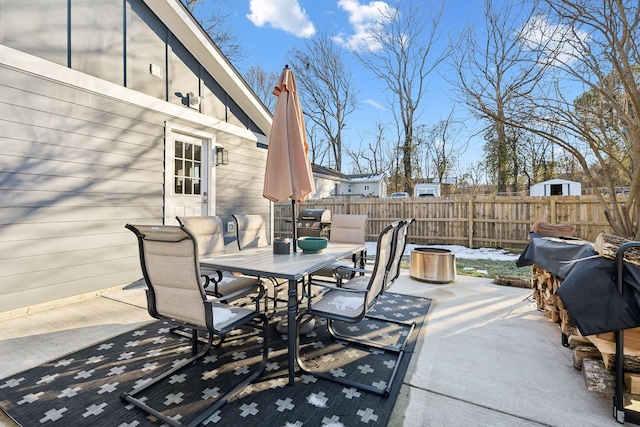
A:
x: 433, y: 265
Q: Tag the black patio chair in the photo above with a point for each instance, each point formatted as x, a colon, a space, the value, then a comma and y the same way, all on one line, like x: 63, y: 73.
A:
x: 400, y: 243
x: 351, y: 302
x: 251, y: 231
x: 345, y: 228
x: 171, y: 269
x: 208, y: 232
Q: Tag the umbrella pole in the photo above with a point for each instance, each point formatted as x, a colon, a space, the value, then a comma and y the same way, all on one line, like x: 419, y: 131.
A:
x: 293, y: 224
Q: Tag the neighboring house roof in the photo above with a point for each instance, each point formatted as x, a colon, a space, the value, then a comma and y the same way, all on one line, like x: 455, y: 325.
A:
x: 184, y: 26
x: 327, y: 173
x: 367, y: 177
x: 330, y: 173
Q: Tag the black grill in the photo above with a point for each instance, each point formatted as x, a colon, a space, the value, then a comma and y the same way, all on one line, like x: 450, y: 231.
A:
x: 313, y: 223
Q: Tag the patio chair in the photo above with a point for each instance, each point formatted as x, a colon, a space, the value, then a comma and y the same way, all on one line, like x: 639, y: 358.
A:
x: 251, y: 231
x: 169, y: 261
x: 351, y: 303
x: 393, y: 268
x: 341, y: 273
x: 208, y: 231
x: 345, y: 228
x: 400, y: 244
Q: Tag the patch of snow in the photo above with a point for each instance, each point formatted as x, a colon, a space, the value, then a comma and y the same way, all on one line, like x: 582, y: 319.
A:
x: 221, y: 314
x: 459, y: 251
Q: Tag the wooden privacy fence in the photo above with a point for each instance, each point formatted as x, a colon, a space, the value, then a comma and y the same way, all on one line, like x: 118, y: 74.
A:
x: 497, y: 222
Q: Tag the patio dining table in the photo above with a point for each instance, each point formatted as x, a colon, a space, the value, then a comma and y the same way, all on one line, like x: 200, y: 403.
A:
x: 293, y: 267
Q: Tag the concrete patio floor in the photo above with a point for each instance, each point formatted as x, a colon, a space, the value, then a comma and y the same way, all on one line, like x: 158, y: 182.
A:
x: 486, y: 356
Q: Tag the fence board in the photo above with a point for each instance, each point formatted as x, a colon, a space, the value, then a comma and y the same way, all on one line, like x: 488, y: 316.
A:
x: 472, y: 221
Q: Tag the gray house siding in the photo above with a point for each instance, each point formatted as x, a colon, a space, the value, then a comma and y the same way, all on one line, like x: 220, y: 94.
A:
x: 117, y: 41
x: 81, y: 156
x: 146, y: 41
x: 28, y: 35
x: 72, y: 176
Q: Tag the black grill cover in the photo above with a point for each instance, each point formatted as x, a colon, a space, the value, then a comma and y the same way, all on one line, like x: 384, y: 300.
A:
x: 589, y: 290
x: 553, y: 253
x: 590, y: 294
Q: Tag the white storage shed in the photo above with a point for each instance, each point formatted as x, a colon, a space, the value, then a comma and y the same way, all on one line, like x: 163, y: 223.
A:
x: 556, y: 187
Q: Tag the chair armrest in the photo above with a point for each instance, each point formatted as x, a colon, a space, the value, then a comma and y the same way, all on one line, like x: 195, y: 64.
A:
x: 352, y: 269
x: 258, y: 287
x: 338, y: 288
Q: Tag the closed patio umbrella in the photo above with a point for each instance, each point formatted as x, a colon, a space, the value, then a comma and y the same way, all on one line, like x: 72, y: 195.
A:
x: 288, y: 174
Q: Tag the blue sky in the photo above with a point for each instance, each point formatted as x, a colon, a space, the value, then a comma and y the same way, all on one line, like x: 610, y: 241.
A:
x: 269, y: 29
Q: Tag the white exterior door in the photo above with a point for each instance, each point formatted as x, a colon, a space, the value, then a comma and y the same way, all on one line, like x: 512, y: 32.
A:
x: 188, y: 173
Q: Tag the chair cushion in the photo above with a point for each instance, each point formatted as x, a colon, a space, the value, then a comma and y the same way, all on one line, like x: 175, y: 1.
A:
x: 358, y: 282
x: 208, y: 231
x: 348, y: 228
x: 251, y: 231
x: 333, y: 302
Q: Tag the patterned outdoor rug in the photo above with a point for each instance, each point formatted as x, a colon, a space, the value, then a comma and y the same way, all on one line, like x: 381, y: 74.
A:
x: 83, y: 388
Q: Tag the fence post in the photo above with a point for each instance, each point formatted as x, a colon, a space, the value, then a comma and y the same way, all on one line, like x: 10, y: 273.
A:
x: 470, y: 221
x: 552, y: 210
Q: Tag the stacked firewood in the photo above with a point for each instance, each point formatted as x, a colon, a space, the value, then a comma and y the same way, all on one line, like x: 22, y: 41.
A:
x: 545, y: 284
x: 607, y: 245
x: 547, y: 229
x: 545, y: 291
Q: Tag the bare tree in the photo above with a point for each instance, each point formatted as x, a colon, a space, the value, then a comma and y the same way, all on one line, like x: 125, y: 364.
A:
x: 403, y: 53
x: 326, y: 89
x: 371, y: 157
x: 495, y: 78
x: 215, y: 25
x: 439, y: 146
x: 318, y: 148
x: 263, y: 82
x: 593, y: 44
x: 473, y: 179
x: 536, y: 160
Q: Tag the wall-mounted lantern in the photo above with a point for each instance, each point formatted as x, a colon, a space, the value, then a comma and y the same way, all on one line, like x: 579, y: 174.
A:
x: 221, y: 156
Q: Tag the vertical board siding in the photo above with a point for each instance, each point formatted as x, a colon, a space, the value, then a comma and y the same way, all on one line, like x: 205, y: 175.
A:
x: 472, y: 221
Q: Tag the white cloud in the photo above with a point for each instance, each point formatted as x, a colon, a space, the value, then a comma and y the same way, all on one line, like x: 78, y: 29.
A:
x: 364, y: 18
x: 560, y: 43
x: 373, y: 103
x: 285, y: 15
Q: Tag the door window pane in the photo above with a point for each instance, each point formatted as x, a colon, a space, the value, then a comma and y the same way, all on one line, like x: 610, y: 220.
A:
x: 187, y: 168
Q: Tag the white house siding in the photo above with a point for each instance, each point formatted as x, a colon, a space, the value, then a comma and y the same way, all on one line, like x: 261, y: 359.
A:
x: 80, y: 157
x: 325, y: 187
x: 96, y: 40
